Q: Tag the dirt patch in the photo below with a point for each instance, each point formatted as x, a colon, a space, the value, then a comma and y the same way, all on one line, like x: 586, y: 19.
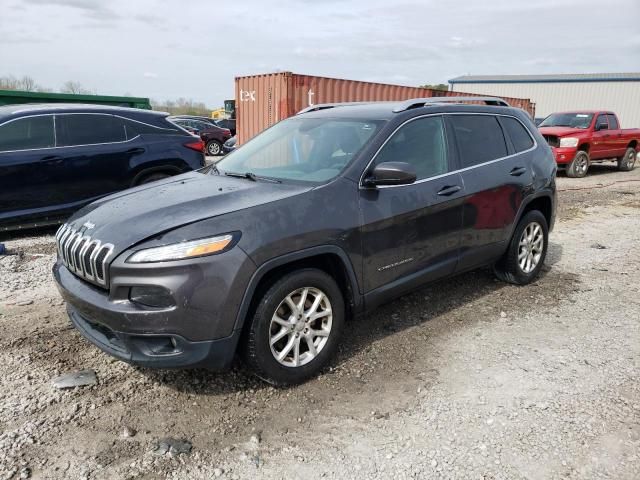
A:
x: 467, y: 378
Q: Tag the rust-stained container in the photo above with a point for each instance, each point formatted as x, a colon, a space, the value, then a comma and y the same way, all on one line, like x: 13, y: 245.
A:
x: 262, y: 100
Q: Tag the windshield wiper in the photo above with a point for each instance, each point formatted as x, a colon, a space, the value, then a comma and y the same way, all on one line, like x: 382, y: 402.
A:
x: 252, y: 176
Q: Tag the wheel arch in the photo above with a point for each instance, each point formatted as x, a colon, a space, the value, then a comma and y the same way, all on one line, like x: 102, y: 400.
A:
x: 633, y: 144
x: 584, y: 147
x: 330, y: 259
x: 168, y: 169
x: 543, y: 202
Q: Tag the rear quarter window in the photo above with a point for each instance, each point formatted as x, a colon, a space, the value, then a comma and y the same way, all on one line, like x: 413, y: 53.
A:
x: 479, y: 139
x: 519, y: 135
x: 135, y: 128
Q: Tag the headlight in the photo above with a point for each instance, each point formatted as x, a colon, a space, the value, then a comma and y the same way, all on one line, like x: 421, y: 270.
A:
x: 180, y: 251
x: 569, y: 142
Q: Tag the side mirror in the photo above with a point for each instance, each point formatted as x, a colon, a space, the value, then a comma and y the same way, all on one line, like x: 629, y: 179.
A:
x: 391, y: 173
x: 602, y: 126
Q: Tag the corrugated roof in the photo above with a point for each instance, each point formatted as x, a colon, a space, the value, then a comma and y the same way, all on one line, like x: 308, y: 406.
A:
x: 562, y: 78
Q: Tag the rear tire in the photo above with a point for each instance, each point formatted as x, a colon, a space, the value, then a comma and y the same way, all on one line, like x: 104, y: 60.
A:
x: 291, y: 337
x: 154, y: 177
x: 214, y: 148
x: 523, y: 261
x: 628, y: 161
x: 579, y: 165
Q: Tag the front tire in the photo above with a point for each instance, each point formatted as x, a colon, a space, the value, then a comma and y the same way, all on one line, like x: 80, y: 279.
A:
x: 296, y: 328
x: 214, y: 148
x: 628, y: 161
x: 523, y: 261
x: 579, y: 165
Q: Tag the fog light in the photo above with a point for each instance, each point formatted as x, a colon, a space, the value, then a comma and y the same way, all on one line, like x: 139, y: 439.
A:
x: 151, y: 296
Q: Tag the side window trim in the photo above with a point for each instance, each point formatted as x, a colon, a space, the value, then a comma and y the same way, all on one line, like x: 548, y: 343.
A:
x: 511, y: 148
x: 458, y: 169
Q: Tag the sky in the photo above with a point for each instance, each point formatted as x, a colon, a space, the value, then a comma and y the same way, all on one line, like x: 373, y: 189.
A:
x: 194, y: 49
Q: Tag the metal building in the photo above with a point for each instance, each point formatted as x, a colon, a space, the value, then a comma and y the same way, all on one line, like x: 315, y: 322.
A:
x: 619, y: 92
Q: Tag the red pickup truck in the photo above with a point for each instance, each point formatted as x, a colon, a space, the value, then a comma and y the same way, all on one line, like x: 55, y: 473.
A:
x: 581, y: 138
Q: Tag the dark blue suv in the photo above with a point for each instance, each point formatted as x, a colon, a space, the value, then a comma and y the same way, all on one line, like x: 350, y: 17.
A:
x: 55, y: 159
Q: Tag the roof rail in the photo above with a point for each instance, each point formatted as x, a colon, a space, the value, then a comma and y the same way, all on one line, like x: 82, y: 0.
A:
x: 422, y: 102
x: 325, y: 106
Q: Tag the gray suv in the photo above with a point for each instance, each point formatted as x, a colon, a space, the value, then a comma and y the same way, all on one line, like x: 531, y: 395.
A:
x: 320, y: 218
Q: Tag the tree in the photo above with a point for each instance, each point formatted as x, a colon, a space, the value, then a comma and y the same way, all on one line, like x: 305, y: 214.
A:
x: 439, y: 86
x: 75, y: 88
x: 182, y: 106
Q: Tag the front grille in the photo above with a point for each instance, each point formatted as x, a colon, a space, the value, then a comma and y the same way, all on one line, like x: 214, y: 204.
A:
x: 552, y: 140
x: 84, y: 256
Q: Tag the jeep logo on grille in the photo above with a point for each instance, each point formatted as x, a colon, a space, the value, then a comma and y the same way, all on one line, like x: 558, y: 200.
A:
x: 89, y: 225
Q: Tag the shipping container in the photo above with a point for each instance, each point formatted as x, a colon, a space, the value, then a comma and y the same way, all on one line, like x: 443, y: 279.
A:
x: 262, y: 100
x: 12, y: 97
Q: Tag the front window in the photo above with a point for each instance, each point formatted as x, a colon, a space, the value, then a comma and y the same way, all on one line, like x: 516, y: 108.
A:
x: 27, y: 133
x: 302, y: 149
x: 571, y: 120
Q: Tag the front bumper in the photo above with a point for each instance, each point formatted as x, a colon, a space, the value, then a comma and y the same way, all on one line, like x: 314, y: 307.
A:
x: 564, y: 155
x: 157, y: 351
x: 198, y: 330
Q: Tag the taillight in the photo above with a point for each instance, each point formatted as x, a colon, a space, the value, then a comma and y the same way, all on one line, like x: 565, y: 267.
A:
x: 197, y: 145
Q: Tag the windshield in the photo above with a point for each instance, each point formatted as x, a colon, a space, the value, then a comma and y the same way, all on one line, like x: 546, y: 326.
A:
x: 303, y: 149
x: 572, y: 120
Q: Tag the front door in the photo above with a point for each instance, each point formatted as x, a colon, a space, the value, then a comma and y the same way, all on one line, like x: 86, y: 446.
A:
x: 602, y: 139
x: 410, y: 233
x: 28, y: 158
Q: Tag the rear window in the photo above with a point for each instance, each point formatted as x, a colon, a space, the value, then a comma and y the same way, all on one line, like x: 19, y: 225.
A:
x: 517, y: 133
x: 27, y: 133
x: 88, y: 129
x: 613, y: 122
x: 479, y: 139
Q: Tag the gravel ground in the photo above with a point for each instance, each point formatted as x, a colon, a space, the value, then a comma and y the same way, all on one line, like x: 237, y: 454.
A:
x: 469, y: 378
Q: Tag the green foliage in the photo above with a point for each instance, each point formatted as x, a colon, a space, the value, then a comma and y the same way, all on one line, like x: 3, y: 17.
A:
x: 439, y: 86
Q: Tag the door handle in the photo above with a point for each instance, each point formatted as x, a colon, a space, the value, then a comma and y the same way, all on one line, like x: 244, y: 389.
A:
x: 54, y: 159
x: 517, y: 171
x: 449, y: 190
x: 135, y: 150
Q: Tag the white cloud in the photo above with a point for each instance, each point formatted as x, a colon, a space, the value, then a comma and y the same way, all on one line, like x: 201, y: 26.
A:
x: 150, y: 75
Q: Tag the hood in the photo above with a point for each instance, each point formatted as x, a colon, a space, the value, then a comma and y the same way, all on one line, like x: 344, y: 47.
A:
x: 561, y: 131
x: 128, y: 217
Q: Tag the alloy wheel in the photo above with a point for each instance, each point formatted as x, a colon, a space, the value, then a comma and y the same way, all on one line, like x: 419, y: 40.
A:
x: 214, y: 148
x: 631, y: 159
x: 582, y: 165
x: 300, y: 327
x: 530, y: 247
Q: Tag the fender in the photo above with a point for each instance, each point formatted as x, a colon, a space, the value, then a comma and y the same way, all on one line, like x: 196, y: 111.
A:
x: 269, y: 265
x: 546, y: 192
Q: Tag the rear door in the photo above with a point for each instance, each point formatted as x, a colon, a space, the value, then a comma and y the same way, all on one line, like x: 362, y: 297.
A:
x: 411, y: 233
x: 97, y: 155
x: 618, y: 143
x: 496, y: 177
x: 28, y: 161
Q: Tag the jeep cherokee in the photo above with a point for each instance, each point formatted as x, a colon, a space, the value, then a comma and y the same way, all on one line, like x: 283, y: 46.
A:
x: 324, y: 216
